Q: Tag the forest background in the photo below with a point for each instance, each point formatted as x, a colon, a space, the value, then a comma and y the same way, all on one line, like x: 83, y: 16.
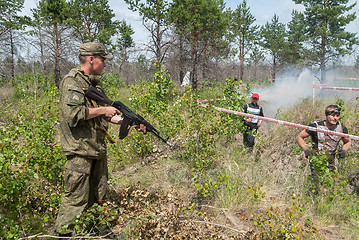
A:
x: 207, y: 186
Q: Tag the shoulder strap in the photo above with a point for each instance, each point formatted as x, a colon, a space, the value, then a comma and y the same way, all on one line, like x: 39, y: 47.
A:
x: 99, y: 126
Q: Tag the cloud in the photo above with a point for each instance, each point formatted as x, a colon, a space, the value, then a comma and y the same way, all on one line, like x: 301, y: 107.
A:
x: 120, y: 8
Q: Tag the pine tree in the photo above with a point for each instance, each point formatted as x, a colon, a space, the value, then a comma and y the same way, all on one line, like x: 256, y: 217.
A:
x: 53, y: 13
x: 244, y: 32
x: 273, y: 37
x: 203, y: 24
x: 325, y: 26
x: 91, y: 20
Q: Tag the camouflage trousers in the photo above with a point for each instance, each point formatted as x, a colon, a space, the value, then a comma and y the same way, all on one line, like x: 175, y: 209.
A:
x: 85, y: 183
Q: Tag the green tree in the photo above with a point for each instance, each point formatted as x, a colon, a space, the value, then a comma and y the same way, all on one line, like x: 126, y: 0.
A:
x: 294, y: 51
x: 53, y: 13
x: 9, y: 10
x: 244, y: 32
x: 10, y: 23
x: 125, y: 40
x: 155, y: 19
x: 326, y: 22
x: 199, y: 21
x: 256, y: 56
x: 215, y: 44
x: 92, y: 20
x: 273, y: 35
x: 37, y: 31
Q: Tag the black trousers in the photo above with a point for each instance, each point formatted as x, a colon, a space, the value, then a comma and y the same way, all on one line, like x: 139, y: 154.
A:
x: 248, y: 135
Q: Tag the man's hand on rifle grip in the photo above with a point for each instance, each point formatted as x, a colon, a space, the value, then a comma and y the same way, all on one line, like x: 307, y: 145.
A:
x: 141, y: 128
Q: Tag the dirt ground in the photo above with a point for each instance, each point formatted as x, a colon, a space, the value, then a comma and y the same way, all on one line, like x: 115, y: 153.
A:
x: 6, y: 92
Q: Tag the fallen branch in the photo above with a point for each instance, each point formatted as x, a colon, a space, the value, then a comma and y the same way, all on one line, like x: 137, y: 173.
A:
x: 209, y: 206
x: 6, y: 107
x: 219, y: 225
x: 57, y: 237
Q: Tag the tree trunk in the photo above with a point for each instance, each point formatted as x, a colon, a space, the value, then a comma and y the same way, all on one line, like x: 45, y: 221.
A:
x: 57, y: 56
x: 241, y: 68
x: 41, y: 51
x: 323, y: 73
x: 255, y: 71
x: 158, y: 43
x: 182, y: 59
x: 123, y: 59
x: 274, y: 67
x: 205, y: 64
x: 241, y: 59
x: 195, y: 61
x: 12, y: 57
x: 194, y: 69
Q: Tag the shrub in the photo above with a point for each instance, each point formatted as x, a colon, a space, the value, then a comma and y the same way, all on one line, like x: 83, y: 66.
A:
x: 30, y: 167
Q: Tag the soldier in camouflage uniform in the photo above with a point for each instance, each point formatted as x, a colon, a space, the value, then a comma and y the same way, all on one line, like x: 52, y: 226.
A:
x: 83, y: 129
x: 325, y: 143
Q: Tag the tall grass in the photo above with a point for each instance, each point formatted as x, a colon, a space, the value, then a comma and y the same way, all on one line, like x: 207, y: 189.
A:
x: 269, y: 190
x: 279, y: 168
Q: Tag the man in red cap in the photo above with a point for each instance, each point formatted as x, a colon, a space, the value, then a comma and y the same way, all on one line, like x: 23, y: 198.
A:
x: 252, y: 124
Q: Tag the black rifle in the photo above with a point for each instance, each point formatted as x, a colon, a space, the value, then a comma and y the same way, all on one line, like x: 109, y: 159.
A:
x: 130, y: 118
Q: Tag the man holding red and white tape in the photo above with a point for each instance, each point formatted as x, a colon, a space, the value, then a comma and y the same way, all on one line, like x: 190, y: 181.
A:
x: 252, y: 124
x: 326, y: 143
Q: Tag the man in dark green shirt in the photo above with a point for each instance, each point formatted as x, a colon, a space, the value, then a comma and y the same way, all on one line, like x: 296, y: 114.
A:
x: 83, y: 129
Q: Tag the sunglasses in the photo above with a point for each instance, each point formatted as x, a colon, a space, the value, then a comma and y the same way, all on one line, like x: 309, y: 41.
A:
x: 336, y: 110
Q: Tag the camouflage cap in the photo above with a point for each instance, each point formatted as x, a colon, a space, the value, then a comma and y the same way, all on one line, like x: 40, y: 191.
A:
x: 94, y: 48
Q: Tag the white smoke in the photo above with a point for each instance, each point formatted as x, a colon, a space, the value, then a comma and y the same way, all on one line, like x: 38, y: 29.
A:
x: 288, y: 89
x: 292, y: 86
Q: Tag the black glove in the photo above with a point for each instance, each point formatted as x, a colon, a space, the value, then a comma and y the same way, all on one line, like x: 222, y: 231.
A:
x: 342, y: 153
x: 331, y: 159
x: 353, y: 179
x: 308, y: 153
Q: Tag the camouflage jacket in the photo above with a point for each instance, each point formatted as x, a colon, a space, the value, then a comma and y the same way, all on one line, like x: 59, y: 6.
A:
x: 325, y: 142
x: 78, y: 135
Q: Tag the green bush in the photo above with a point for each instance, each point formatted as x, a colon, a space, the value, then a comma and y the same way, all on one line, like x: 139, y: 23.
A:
x: 90, y: 222
x: 31, y: 166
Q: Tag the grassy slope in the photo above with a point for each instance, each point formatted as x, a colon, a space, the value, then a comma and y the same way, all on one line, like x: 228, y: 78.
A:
x: 277, y: 168
x: 255, y: 182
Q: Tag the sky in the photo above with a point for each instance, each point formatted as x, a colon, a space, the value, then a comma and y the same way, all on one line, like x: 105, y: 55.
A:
x: 262, y: 10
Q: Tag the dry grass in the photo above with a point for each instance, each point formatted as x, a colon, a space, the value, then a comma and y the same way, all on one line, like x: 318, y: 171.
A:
x: 277, y: 167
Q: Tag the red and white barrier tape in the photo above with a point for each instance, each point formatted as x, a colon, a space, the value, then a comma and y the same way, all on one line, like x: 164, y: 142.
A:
x: 336, y: 88
x: 208, y: 100
x: 285, y: 123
